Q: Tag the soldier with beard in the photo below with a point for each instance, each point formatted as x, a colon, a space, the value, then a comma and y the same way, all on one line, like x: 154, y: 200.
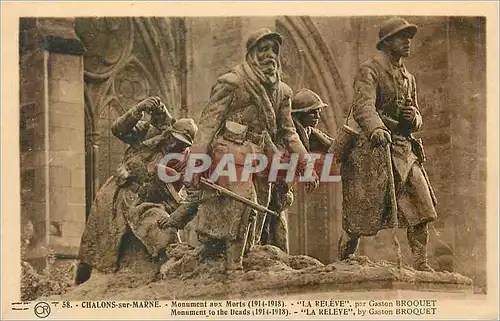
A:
x: 249, y: 112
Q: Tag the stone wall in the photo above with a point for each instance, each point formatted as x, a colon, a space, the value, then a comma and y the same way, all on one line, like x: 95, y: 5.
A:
x: 52, y: 136
x: 467, y: 85
x: 32, y: 145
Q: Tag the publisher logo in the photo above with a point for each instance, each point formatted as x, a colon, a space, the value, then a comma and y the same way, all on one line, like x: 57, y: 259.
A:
x: 42, y: 310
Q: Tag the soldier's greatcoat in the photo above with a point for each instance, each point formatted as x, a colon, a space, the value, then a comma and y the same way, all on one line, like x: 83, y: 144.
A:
x: 132, y: 203
x: 240, y: 97
x: 378, y: 87
x: 276, y: 228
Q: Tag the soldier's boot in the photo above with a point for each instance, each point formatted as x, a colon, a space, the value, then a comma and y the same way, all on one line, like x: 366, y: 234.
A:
x: 234, y: 256
x: 82, y: 273
x: 348, y: 244
x: 281, y: 239
x: 211, y: 247
x: 418, y: 237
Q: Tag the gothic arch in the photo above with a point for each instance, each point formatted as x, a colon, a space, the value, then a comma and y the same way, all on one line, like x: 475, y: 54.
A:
x: 316, y: 56
x: 127, y: 60
x: 91, y: 136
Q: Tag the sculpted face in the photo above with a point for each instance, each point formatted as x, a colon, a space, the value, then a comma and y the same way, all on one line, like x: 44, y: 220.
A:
x: 267, y: 55
x: 399, y: 44
x: 310, y: 118
x: 173, y: 145
x: 158, y: 120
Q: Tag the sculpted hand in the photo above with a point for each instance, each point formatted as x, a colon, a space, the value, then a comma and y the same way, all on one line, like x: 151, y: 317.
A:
x: 409, y: 113
x: 195, y: 181
x: 149, y: 104
x: 312, y: 186
x: 122, y: 171
x: 159, y: 108
x: 380, y: 137
x: 165, y: 222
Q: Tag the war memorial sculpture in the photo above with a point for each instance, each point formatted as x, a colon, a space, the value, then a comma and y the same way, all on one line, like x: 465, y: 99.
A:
x: 201, y: 205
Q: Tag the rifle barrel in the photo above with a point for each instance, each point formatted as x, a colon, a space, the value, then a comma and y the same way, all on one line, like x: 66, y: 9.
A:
x: 239, y: 198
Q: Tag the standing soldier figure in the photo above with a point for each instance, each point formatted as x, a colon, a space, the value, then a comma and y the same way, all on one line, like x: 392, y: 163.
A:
x: 306, y: 113
x: 248, y: 112
x: 385, y: 108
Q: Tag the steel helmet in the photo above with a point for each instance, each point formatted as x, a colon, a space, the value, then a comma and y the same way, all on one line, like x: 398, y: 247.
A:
x: 184, y: 129
x: 260, y: 34
x: 392, y: 27
x: 305, y: 100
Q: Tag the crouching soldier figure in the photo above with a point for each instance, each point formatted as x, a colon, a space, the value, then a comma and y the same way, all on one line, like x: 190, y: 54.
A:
x: 131, y: 202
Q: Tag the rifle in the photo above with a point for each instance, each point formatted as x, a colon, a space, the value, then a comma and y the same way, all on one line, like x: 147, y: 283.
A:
x: 417, y: 148
x: 224, y: 191
x: 394, y: 205
x: 390, y: 123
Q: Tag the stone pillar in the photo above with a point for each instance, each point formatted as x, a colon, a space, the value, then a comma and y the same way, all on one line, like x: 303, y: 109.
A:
x: 92, y: 160
x: 52, y: 136
x: 467, y: 102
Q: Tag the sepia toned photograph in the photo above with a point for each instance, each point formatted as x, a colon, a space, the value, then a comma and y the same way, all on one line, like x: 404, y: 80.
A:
x: 250, y: 157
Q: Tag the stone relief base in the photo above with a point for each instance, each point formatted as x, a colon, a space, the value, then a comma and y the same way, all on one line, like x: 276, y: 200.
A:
x: 267, y: 272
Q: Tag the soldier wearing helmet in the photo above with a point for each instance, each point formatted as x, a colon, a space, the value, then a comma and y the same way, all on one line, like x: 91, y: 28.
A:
x: 135, y: 199
x: 249, y: 111
x: 306, y: 113
x: 386, y: 111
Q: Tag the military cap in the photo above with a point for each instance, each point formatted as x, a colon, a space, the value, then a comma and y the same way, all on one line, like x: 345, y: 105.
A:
x: 184, y: 129
x: 305, y: 100
x: 261, y: 34
x: 393, y: 26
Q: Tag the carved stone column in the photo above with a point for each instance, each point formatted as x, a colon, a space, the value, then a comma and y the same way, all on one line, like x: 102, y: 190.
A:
x: 92, y: 182
x: 53, y: 156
